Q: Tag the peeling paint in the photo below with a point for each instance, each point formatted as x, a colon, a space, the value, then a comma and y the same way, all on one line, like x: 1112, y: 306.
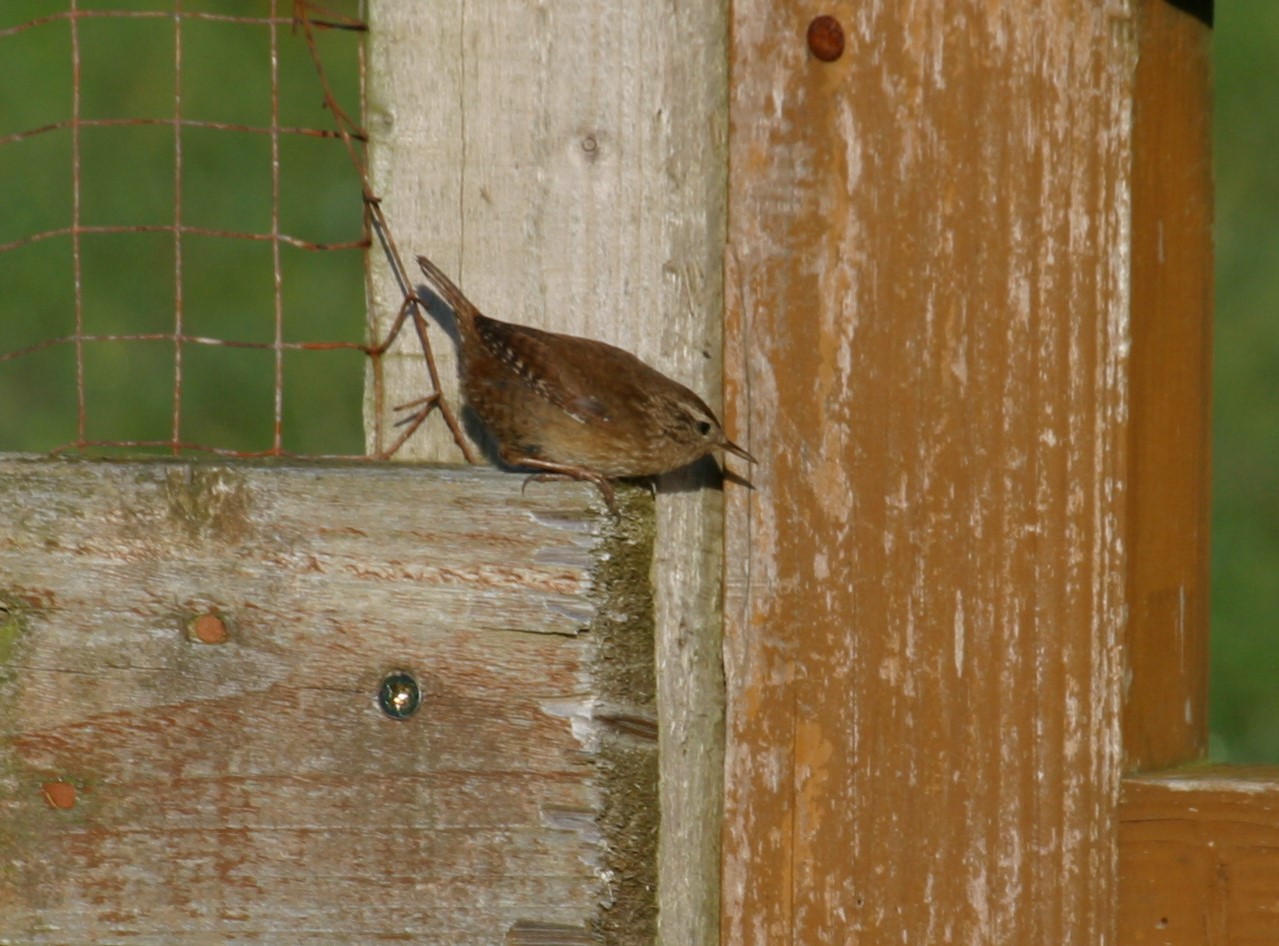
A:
x: 936, y: 358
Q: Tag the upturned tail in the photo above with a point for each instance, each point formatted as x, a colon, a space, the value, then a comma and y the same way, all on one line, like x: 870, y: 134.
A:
x: 462, y: 306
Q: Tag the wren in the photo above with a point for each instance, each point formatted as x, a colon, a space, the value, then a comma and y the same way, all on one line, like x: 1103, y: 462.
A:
x: 573, y: 406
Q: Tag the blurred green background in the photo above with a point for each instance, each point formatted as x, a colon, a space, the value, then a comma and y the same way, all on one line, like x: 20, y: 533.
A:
x: 1244, y: 699
x: 128, y: 175
x: 227, y: 285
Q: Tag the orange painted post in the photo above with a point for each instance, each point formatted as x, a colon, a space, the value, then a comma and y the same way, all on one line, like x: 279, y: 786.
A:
x: 928, y: 280
x: 1165, y: 710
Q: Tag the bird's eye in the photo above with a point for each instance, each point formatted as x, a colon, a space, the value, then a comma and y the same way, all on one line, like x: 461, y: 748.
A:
x: 703, y: 427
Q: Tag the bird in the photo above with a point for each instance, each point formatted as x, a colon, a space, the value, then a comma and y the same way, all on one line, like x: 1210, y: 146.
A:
x: 562, y: 405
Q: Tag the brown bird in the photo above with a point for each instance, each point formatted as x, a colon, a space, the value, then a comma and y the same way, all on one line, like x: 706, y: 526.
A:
x: 574, y: 406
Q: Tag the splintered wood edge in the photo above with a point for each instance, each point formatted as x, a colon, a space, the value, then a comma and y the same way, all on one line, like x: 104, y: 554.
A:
x: 1199, y: 856
x: 625, y: 677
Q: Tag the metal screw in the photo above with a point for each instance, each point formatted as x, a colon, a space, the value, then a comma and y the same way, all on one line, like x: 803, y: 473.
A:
x: 399, y: 695
x: 826, y: 38
x: 59, y: 794
x: 208, y: 629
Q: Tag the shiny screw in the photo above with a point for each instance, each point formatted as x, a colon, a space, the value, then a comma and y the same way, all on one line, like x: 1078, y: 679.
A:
x: 399, y: 695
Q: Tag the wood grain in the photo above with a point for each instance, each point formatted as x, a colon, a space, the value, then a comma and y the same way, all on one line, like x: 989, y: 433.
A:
x: 928, y: 285
x: 1199, y: 858
x: 1166, y: 705
x: 156, y: 789
x: 566, y: 164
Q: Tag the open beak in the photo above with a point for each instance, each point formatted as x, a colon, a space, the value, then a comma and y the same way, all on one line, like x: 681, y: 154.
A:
x: 733, y: 448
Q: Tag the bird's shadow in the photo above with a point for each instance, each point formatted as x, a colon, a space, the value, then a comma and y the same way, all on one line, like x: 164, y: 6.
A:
x: 444, y: 316
x: 706, y: 473
x: 439, y: 310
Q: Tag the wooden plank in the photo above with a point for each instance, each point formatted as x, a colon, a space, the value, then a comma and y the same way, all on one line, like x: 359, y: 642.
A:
x: 158, y: 789
x: 566, y: 164
x: 1199, y: 858
x: 1166, y: 706
x: 928, y: 335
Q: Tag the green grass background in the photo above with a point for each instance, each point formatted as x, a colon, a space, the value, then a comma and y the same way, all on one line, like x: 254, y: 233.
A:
x: 1244, y: 690
x: 128, y: 178
x: 127, y: 68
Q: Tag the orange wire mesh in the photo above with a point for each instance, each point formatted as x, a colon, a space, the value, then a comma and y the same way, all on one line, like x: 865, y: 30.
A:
x: 202, y: 235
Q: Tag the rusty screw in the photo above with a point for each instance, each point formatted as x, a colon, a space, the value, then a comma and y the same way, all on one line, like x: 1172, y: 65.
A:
x: 826, y: 38
x: 208, y: 629
x: 59, y: 794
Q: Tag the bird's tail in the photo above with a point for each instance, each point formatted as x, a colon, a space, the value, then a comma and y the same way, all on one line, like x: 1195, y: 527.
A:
x: 461, y: 305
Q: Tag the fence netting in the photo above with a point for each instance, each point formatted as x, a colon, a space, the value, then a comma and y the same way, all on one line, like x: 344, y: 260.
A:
x: 183, y: 229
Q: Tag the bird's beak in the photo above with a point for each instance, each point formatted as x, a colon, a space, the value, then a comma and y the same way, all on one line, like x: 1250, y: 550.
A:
x: 735, y: 449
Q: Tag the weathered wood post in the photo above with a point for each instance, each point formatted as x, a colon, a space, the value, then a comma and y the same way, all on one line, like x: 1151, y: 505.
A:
x: 956, y: 557
x: 566, y: 164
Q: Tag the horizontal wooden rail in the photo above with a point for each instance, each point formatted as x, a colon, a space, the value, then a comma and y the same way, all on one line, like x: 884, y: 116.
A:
x: 192, y: 747
x: 1199, y: 857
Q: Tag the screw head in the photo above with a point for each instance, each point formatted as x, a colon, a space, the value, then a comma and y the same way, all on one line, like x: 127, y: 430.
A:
x: 208, y: 628
x: 826, y: 38
x: 59, y: 794
x: 399, y: 695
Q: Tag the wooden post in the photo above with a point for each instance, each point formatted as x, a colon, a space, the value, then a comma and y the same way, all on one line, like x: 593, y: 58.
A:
x: 928, y: 284
x: 565, y: 163
x: 1165, y: 718
x: 1198, y: 858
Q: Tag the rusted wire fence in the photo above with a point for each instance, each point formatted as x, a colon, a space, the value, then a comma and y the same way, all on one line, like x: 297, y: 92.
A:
x: 182, y: 257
